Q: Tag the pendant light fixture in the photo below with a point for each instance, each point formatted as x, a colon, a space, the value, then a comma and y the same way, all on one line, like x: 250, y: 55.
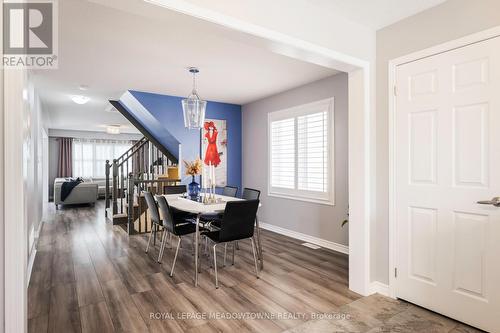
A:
x: 193, y: 107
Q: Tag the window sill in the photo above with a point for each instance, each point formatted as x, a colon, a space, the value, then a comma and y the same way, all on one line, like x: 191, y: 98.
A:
x: 304, y: 199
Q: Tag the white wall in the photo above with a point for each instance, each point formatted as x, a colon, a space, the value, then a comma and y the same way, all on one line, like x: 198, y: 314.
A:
x: 317, y: 220
x: 451, y: 20
x: 2, y: 189
x: 33, y: 159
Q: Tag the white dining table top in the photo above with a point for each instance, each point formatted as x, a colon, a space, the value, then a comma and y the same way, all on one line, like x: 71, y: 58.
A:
x: 190, y: 206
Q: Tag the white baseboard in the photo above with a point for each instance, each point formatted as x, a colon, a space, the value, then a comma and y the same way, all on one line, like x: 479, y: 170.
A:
x: 33, y: 238
x: 306, y: 238
x: 31, y: 261
x: 380, y: 288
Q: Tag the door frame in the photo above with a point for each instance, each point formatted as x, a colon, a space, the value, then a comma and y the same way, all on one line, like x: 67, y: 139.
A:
x: 393, y: 64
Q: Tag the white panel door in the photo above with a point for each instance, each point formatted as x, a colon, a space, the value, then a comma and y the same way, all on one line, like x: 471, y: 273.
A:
x: 447, y: 158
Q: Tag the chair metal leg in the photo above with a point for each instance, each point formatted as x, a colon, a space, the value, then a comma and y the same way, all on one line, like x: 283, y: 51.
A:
x: 167, y: 239
x: 255, y: 258
x: 225, y: 250
x: 162, y: 245
x: 215, y: 268
x: 193, y: 245
x: 155, y: 232
x: 175, y: 257
x: 259, y: 243
x: 237, y: 245
x: 200, y: 254
x: 149, y: 240
x: 234, y: 245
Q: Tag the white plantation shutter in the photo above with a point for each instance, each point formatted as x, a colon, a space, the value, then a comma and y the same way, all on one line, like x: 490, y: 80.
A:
x: 283, y: 153
x: 301, y: 152
x: 312, y: 151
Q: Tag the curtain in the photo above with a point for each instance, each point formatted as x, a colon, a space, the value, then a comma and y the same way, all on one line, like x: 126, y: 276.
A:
x: 64, y: 164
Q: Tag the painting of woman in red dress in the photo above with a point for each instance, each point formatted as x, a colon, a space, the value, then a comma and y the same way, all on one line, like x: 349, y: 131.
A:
x: 211, y: 154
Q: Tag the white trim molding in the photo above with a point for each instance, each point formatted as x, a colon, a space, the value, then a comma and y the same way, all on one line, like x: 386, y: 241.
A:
x: 15, y: 216
x: 377, y: 287
x: 306, y: 238
x: 393, y: 64
x: 33, y: 240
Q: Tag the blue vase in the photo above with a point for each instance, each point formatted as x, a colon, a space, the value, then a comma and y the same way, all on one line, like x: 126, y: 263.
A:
x: 193, y: 189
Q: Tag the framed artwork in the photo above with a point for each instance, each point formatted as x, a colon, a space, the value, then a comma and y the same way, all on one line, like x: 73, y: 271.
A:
x: 214, y: 148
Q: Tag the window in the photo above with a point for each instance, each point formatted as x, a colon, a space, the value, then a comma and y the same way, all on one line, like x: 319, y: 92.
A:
x: 89, y: 156
x: 301, y: 152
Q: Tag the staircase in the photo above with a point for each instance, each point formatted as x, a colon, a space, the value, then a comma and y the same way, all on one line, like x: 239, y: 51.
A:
x: 147, y: 166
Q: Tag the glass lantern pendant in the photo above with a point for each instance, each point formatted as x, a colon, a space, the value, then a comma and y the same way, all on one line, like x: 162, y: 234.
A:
x: 193, y: 107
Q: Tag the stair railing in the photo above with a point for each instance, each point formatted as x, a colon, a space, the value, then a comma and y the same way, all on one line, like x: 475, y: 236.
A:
x: 139, y: 167
x: 113, y: 168
x: 141, y: 223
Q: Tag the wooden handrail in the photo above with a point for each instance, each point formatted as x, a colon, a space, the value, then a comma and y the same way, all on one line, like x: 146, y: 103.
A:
x: 132, y: 154
x: 140, y: 142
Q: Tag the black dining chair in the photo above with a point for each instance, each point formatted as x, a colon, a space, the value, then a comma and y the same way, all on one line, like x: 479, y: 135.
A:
x: 174, y: 189
x: 179, y: 218
x: 214, y: 219
x: 154, y: 216
x: 173, y: 227
x: 237, y: 223
x: 250, y: 194
x: 230, y: 191
x: 178, y: 189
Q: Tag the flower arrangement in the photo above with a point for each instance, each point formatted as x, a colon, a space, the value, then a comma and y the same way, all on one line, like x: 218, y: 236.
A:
x: 193, y: 168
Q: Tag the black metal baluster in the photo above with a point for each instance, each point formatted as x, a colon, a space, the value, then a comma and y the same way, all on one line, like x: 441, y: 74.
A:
x: 121, y: 188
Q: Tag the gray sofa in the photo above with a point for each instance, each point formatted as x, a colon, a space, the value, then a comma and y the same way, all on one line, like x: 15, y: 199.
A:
x: 86, y: 192
x: 101, y: 186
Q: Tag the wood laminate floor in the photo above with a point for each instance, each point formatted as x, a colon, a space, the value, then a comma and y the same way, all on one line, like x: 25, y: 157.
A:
x: 90, y: 276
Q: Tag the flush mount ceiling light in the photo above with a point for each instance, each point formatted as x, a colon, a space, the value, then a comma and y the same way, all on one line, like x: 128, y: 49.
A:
x: 193, y: 107
x: 79, y: 99
x: 113, y: 129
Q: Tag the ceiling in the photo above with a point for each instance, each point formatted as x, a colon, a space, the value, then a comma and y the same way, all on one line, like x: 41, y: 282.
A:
x: 146, y: 47
x: 149, y: 50
x: 376, y: 14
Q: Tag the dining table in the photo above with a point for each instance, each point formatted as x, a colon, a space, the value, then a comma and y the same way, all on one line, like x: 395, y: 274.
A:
x: 198, y: 208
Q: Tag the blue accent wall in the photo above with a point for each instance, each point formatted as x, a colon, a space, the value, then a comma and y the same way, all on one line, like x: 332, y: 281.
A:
x: 168, y: 111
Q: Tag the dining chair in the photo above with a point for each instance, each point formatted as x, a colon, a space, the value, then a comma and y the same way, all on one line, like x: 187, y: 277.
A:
x: 154, y: 216
x: 178, y: 189
x: 250, y: 194
x: 238, y: 223
x: 230, y: 191
x: 214, y: 219
x: 174, y: 228
x: 174, y: 189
